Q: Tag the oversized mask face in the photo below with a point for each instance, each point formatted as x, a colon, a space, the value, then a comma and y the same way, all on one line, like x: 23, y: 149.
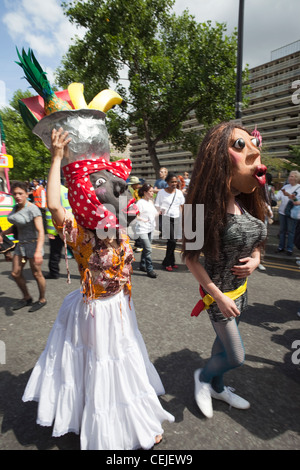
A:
x: 98, y: 194
x: 248, y: 171
x: 113, y: 193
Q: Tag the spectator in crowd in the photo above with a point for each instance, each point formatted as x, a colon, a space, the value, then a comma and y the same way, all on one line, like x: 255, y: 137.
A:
x: 55, y: 241
x: 289, y: 192
x: 145, y: 226
x: 169, y: 202
x: 134, y: 186
x: 161, y: 183
x: 39, y: 199
x: 181, y: 184
x: 186, y: 179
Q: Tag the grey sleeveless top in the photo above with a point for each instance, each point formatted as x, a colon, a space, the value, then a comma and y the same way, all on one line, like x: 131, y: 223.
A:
x: 24, y: 221
x: 242, y: 234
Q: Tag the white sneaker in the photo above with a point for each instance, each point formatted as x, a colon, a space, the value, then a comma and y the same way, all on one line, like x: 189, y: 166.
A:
x: 202, y: 395
x: 261, y: 267
x: 231, y: 398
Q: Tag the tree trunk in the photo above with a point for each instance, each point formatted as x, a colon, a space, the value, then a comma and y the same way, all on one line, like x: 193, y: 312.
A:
x: 154, y: 160
x: 153, y: 155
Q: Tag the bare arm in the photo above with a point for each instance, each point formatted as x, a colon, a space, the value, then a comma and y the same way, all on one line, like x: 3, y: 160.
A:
x: 8, y: 231
x: 225, y: 304
x: 39, y: 226
x: 290, y: 196
x: 60, y: 143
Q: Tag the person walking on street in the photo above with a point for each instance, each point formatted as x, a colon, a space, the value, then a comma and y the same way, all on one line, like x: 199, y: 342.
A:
x: 146, y: 221
x: 228, y: 178
x: 111, y: 393
x: 169, y: 202
x: 27, y: 219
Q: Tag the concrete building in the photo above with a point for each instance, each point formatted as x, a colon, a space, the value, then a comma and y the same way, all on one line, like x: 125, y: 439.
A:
x: 274, y: 107
x: 117, y: 154
x: 177, y: 160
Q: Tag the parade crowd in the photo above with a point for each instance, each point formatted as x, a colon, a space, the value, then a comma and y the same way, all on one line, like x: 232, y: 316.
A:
x: 44, y: 211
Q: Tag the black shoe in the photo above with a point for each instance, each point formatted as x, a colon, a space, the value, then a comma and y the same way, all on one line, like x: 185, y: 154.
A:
x: 143, y: 269
x: 37, y: 305
x: 22, y: 303
x: 50, y: 276
x: 279, y: 250
x: 151, y: 274
x: 289, y: 253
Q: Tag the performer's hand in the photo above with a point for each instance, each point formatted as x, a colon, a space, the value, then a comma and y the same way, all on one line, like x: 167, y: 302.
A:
x: 227, y: 307
x: 59, y: 143
x: 244, y: 270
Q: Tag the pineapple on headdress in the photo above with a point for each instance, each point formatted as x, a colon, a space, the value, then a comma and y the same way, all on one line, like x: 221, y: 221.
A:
x: 37, y: 78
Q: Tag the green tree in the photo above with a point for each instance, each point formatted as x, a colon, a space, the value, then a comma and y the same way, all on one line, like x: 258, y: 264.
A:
x: 173, y: 64
x: 31, y: 157
x: 295, y: 155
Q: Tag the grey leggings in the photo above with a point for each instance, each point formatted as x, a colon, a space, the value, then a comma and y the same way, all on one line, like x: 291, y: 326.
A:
x: 227, y: 353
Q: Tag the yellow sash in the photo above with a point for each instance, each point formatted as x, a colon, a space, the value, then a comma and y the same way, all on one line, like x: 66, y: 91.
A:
x: 233, y: 294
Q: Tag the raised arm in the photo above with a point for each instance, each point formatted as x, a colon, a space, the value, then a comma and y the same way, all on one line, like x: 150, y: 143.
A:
x: 59, y: 145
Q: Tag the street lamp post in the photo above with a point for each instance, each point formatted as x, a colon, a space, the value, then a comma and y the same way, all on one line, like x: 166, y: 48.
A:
x: 238, y: 105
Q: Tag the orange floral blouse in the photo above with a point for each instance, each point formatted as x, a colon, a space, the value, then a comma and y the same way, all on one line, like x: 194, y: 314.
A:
x: 104, y: 266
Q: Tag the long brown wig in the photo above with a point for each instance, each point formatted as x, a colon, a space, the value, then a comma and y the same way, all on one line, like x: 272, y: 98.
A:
x: 210, y: 185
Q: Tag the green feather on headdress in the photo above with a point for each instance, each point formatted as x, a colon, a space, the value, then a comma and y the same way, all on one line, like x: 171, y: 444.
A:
x: 37, y: 78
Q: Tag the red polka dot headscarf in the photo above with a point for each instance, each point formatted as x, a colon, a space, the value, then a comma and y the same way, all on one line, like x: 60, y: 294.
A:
x: 89, y: 212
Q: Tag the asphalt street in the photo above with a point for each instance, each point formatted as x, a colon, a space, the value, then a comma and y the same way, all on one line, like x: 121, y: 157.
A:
x: 177, y: 345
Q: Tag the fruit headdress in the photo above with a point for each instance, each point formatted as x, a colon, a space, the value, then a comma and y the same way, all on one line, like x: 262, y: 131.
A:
x: 89, y: 147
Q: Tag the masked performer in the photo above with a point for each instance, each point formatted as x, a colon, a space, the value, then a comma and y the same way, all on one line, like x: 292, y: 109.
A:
x: 227, y: 178
x: 94, y: 376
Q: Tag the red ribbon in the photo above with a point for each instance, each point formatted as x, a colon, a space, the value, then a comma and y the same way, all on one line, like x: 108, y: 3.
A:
x: 199, y: 307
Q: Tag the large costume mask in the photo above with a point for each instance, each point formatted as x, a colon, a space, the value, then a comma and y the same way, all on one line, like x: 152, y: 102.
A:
x: 98, y: 193
x: 248, y: 171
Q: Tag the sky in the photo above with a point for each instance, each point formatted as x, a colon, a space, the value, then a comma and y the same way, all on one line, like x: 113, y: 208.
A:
x: 42, y: 26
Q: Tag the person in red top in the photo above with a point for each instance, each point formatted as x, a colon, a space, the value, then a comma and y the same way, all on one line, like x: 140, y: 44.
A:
x: 39, y: 199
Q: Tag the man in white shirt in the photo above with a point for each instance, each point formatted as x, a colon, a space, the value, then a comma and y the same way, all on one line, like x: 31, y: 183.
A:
x: 169, y: 202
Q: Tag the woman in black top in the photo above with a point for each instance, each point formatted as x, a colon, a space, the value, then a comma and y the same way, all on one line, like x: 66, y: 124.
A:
x: 227, y: 178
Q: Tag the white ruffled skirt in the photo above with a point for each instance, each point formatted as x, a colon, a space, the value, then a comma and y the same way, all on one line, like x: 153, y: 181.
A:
x: 95, y: 378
